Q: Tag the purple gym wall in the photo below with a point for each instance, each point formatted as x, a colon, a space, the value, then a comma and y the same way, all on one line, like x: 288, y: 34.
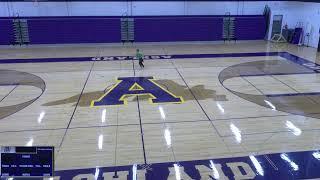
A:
x: 6, y: 32
x: 250, y: 28
x: 178, y: 29
x: 60, y: 30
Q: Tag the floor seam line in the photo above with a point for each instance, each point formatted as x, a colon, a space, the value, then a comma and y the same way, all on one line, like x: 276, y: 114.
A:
x: 76, y: 106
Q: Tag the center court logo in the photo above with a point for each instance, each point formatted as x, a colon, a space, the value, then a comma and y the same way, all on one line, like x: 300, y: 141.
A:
x: 136, y: 86
x: 171, y: 89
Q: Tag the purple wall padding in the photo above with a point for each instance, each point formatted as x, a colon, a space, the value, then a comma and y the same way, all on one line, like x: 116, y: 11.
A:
x: 296, y: 36
x: 178, y: 29
x: 64, y: 30
x: 59, y: 30
x: 250, y: 28
x: 6, y: 32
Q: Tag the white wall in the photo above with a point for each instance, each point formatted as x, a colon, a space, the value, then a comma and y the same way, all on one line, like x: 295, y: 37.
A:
x: 131, y: 8
x: 3, y: 9
x: 309, y: 15
x: 305, y: 12
x: 158, y: 8
x: 97, y: 8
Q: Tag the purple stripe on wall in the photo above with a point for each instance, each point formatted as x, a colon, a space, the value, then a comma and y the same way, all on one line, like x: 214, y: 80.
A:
x: 6, y: 33
x: 55, y: 31
x: 103, y: 17
x: 178, y: 29
x: 250, y: 28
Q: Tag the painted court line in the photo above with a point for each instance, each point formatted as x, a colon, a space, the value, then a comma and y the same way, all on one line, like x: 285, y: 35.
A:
x: 147, y: 57
x: 76, y: 106
x: 140, y: 121
x: 293, y: 94
x: 293, y: 58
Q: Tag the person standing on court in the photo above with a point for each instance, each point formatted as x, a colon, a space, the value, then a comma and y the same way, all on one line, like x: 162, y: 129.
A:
x: 139, y: 56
